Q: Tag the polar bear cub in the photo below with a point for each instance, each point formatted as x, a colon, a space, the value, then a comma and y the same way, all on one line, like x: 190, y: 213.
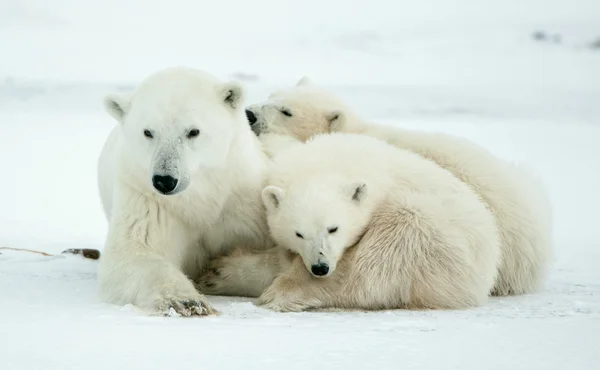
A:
x: 180, y: 178
x: 376, y: 227
x: 518, y: 201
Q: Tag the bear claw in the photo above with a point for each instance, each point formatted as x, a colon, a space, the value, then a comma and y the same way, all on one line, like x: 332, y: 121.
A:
x: 187, y: 308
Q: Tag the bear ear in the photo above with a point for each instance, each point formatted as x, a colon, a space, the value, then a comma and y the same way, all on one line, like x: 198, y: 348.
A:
x: 304, y: 81
x: 272, y: 197
x: 233, y: 94
x: 117, y: 105
x: 335, y: 120
x: 357, y: 191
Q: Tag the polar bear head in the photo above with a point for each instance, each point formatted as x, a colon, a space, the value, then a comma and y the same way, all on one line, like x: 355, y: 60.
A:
x: 301, y: 111
x: 318, y: 218
x: 178, y: 122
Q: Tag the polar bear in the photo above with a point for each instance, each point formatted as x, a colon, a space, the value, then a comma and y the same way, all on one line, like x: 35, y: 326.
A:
x: 376, y: 227
x: 180, y: 178
x: 361, y: 224
x: 518, y: 200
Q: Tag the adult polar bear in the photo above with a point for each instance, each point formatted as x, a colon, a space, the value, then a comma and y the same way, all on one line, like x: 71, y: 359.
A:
x: 518, y: 200
x: 180, y: 178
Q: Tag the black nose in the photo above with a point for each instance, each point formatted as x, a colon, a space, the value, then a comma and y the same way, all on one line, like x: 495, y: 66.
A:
x: 251, y: 117
x: 164, y: 184
x: 320, y: 269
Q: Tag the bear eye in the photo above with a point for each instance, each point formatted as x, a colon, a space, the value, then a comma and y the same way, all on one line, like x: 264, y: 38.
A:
x: 332, y: 229
x: 193, y: 133
x: 148, y: 134
x: 286, y: 112
x: 299, y: 235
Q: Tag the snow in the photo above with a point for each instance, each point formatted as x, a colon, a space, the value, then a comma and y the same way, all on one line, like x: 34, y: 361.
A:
x: 467, y: 67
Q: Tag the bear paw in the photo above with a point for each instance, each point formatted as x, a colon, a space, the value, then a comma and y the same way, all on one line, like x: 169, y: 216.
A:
x: 185, y: 307
x: 217, y: 279
x: 283, y: 296
x: 237, y: 275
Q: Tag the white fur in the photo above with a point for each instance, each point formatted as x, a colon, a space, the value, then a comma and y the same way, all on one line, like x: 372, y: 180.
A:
x: 157, y: 244
x: 517, y: 199
x: 419, y: 237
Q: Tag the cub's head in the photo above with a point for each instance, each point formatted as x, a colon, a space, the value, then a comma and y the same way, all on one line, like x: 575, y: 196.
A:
x: 178, y: 122
x: 300, y: 111
x: 318, y: 218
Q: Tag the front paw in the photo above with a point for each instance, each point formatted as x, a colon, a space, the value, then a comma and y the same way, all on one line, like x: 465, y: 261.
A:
x: 280, y: 304
x: 286, y: 297
x: 216, y: 279
x: 186, y: 307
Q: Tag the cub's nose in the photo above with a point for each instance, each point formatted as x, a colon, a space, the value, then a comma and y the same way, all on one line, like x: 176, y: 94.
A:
x: 251, y: 117
x: 320, y: 269
x: 164, y: 184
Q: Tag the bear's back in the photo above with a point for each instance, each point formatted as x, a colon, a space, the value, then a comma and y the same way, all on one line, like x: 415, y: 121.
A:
x: 360, y: 157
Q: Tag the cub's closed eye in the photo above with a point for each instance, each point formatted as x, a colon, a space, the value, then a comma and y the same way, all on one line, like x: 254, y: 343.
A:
x: 193, y: 133
x: 148, y: 134
x: 332, y: 229
x: 286, y: 112
x: 299, y: 235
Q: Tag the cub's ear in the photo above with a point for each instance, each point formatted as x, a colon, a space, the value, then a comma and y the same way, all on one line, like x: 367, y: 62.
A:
x: 233, y: 94
x: 357, y: 191
x: 336, y: 120
x: 304, y: 81
x: 272, y: 197
x: 117, y: 105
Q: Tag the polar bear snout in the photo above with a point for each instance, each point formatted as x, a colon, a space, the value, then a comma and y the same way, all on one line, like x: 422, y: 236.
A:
x: 255, y: 120
x: 251, y: 117
x: 164, y: 184
x: 319, y: 269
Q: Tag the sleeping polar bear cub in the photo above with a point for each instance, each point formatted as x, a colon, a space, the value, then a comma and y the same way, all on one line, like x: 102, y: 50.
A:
x: 180, y: 178
x: 517, y: 199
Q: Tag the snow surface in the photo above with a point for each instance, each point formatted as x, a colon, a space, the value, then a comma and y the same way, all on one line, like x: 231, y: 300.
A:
x: 468, y: 67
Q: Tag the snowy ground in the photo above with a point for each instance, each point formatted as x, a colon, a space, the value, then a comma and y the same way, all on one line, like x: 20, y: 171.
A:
x: 465, y: 67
